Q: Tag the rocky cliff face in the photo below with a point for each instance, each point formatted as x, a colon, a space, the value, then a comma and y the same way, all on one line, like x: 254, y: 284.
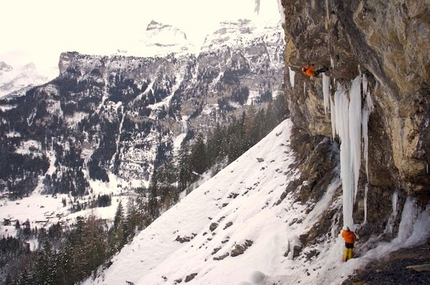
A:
x: 122, y: 115
x: 388, y: 42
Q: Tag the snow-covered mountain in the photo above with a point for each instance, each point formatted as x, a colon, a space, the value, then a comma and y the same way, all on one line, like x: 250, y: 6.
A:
x: 121, y: 114
x: 159, y: 40
x: 233, y: 34
x: 21, y: 77
x: 4, y: 67
x: 246, y: 225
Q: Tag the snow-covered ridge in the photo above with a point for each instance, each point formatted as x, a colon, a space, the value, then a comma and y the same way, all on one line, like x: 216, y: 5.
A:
x: 19, y: 77
x: 4, y: 67
x: 240, y: 33
x: 159, y: 39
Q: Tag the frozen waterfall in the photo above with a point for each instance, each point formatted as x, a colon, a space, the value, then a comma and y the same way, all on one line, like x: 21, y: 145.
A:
x: 349, y: 122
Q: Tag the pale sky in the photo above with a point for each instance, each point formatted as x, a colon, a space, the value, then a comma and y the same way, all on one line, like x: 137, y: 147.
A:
x: 44, y: 28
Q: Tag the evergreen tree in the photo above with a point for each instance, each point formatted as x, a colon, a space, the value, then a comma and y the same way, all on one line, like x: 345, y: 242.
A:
x: 88, y: 242
x: 215, y: 146
x: 153, y: 207
x: 198, y: 155
x: 251, y: 135
x: 141, y: 208
x: 132, y: 222
x: 259, y: 125
x: 167, y: 183
x: 8, y: 280
x: 65, y: 262
x: 24, y: 278
x: 43, y: 270
x: 119, y: 216
x: 95, y: 243
x: 236, y: 135
x: 184, y: 166
x: 270, y: 121
x: 116, y: 233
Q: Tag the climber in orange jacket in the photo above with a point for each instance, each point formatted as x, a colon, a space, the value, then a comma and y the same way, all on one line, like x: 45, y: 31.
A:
x: 310, y: 71
x: 349, y: 238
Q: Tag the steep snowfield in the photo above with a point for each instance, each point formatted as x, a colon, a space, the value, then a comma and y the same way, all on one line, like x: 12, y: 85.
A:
x: 155, y: 253
x: 243, y: 200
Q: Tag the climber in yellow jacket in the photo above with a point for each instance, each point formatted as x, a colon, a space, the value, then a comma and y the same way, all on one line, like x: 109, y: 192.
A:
x: 349, y: 238
x: 310, y: 71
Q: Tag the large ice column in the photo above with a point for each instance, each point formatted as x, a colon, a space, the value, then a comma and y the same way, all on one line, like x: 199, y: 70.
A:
x: 341, y: 125
x: 346, y: 123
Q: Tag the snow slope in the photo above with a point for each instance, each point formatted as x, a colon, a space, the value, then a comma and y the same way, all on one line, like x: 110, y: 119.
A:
x: 242, y: 200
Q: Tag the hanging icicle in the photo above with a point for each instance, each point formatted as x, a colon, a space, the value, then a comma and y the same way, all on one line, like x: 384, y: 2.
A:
x: 292, y: 74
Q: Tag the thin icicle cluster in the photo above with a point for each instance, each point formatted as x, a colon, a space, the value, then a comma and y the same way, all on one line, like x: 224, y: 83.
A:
x: 349, y: 122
